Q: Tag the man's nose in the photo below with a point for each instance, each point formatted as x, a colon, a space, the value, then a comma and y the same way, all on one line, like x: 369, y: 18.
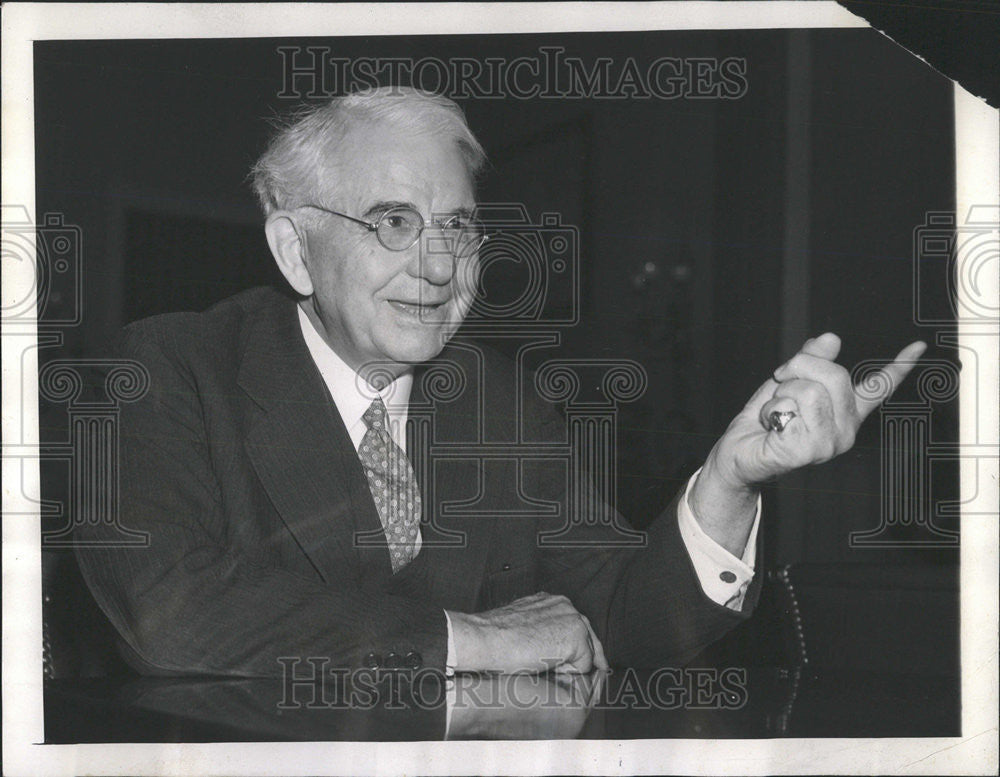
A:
x: 435, y: 258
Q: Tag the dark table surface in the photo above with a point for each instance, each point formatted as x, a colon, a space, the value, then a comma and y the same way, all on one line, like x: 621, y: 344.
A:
x: 386, y: 706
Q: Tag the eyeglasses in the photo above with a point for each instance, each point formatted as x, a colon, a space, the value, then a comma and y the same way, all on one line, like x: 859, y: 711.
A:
x: 399, y: 228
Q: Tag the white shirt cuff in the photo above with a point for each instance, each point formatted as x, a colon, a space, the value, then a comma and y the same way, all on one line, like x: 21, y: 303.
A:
x: 449, y: 661
x: 449, y: 672
x: 723, y: 577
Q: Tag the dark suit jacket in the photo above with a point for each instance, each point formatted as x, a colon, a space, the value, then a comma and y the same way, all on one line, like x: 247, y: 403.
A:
x: 237, y: 464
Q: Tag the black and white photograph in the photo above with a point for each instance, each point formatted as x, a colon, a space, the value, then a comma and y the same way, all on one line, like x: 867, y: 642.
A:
x: 496, y: 389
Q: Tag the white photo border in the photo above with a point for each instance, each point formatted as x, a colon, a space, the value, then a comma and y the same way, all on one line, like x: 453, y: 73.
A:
x: 977, y: 177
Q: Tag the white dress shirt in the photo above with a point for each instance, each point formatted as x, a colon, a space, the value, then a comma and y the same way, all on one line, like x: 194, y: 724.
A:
x: 724, y: 578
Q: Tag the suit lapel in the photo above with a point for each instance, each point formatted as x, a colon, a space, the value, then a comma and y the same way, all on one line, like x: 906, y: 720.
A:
x: 306, y: 461
x: 302, y: 452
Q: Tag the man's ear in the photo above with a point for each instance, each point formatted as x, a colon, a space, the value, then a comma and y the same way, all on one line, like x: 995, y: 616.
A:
x: 288, y: 246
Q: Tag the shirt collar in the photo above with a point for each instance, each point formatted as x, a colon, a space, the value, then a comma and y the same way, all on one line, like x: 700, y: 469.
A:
x: 351, y: 393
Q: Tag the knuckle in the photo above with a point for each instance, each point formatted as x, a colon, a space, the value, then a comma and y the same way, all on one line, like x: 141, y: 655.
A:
x: 812, y: 391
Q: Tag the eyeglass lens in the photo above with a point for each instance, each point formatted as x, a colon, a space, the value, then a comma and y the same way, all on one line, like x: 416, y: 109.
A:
x: 400, y: 228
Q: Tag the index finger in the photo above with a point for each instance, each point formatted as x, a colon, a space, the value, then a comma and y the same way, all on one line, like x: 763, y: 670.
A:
x: 892, y: 374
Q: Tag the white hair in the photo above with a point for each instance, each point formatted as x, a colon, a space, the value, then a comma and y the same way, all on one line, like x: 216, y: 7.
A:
x: 286, y: 175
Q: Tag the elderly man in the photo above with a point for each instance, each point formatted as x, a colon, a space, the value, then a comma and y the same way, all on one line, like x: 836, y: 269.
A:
x: 286, y: 511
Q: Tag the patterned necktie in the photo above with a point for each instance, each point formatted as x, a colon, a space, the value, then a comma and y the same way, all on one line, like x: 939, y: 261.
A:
x: 393, y: 486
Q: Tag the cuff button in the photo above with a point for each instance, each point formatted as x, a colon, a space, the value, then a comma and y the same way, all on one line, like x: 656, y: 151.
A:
x: 413, y: 660
x: 727, y: 577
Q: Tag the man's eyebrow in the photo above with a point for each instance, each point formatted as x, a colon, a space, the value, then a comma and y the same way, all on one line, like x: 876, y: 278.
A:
x: 462, y: 212
x: 378, y: 208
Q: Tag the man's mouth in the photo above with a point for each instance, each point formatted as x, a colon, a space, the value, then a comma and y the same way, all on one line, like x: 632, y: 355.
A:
x: 416, y: 309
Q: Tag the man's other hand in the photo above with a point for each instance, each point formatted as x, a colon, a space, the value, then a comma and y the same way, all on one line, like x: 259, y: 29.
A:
x: 536, y: 633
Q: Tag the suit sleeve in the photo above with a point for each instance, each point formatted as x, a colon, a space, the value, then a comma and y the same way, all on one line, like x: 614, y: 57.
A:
x: 645, y: 603
x: 187, y: 603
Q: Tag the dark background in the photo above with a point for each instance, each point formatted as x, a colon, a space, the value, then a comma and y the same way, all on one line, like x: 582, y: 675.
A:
x: 715, y: 236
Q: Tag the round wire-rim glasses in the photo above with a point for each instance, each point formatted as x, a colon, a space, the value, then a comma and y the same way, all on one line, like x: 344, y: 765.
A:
x: 400, y: 227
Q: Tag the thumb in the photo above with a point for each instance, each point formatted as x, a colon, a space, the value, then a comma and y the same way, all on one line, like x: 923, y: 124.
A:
x: 826, y: 346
